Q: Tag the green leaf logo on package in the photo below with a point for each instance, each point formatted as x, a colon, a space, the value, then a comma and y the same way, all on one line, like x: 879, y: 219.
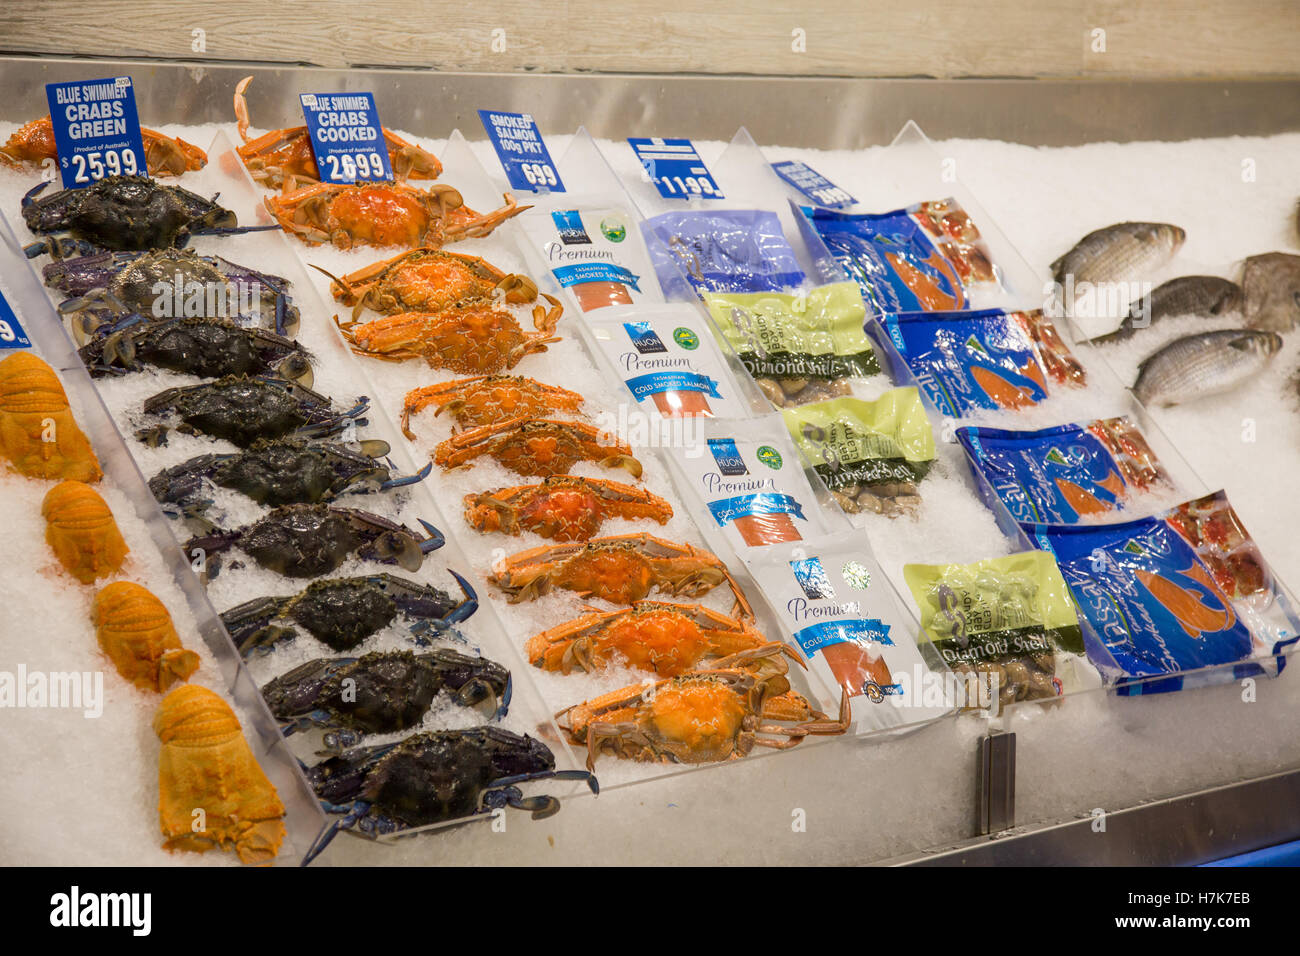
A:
x: 801, y: 347
x: 851, y: 442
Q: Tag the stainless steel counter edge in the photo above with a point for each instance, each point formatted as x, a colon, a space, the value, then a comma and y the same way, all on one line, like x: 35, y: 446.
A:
x: 1180, y: 831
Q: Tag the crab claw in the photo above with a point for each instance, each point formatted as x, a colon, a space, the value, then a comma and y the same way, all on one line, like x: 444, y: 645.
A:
x: 420, y: 475
x: 434, y: 541
x: 470, y: 604
x: 29, y: 197
x: 297, y: 369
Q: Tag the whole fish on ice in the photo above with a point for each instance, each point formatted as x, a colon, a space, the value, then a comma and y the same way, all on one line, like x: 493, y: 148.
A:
x: 1271, y: 283
x: 1126, y: 252
x: 1205, y: 296
x: 1208, y: 363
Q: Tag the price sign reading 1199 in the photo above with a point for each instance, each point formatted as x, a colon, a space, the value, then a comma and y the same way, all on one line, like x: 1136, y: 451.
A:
x: 96, y: 130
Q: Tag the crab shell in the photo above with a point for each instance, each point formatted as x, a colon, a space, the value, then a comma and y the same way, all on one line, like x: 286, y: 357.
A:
x: 667, y: 639
x: 429, y: 280
x: 537, y: 448
x: 205, y: 764
x: 701, y: 716
x: 383, y: 214
x: 38, y: 434
x: 164, y: 155
x: 472, y: 340
x: 621, y: 569
x: 564, y: 507
x: 81, y: 530
x: 137, y: 634
x: 489, y: 399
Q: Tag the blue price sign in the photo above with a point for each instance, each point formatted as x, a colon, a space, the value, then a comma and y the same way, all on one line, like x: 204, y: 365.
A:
x: 96, y: 130
x: 675, y: 168
x: 813, y: 184
x: 346, y: 137
x: 12, y: 335
x: 522, y: 151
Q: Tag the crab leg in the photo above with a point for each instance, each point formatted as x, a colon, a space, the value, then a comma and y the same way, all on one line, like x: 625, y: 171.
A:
x: 464, y: 223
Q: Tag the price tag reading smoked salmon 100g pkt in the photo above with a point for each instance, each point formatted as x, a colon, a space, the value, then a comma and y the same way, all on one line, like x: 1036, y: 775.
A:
x: 96, y: 130
x: 346, y: 137
x: 675, y: 168
x: 12, y: 335
x: 522, y: 151
x: 813, y: 184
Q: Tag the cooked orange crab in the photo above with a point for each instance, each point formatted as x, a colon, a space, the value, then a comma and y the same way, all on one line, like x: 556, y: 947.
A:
x: 621, y: 569
x: 702, y: 716
x: 564, y: 508
x: 488, y: 399
x: 284, y: 156
x: 428, y: 280
x: 475, y: 339
x: 668, y: 639
x: 163, y: 155
x: 383, y: 214
x: 529, y: 446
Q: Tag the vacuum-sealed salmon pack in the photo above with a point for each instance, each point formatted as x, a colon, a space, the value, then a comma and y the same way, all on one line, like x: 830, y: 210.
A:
x: 1007, y: 622
x: 834, y: 601
x: 596, y: 253
x: 925, y: 258
x: 870, y: 454
x: 1164, y: 596
x: 745, y: 479
x: 725, y: 250
x: 672, y: 365
x: 990, y: 359
x: 798, y: 347
x: 1059, y: 475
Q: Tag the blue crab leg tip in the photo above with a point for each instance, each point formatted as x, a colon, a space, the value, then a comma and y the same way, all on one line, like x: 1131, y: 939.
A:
x: 419, y: 476
x: 30, y: 196
x: 35, y: 249
x: 435, y: 539
x: 471, y: 596
x: 503, y: 707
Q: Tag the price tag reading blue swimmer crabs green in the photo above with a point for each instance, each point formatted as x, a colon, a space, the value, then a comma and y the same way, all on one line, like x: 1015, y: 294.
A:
x: 96, y: 130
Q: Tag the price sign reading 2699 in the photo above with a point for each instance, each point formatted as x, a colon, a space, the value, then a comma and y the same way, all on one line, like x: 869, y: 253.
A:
x: 96, y: 130
x: 346, y: 137
x: 675, y: 168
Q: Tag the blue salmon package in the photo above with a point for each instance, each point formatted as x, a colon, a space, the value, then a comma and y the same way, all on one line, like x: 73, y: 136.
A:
x: 1059, y: 475
x: 1157, y: 605
x: 923, y: 258
x: 727, y: 250
x: 990, y: 359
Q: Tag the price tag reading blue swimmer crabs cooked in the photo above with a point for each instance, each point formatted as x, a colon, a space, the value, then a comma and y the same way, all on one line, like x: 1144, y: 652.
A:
x: 12, y: 335
x: 813, y: 184
x: 96, y: 130
x: 675, y: 168
x: 346, y: 137
x: 522, y: 151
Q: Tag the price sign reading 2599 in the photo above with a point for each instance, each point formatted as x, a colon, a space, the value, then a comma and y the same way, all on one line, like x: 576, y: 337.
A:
x: 346, y: 137
x: 675, y: 168
x: 96, y: 130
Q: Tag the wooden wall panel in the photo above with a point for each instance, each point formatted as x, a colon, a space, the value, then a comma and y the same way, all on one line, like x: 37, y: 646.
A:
x: 1142, y: 38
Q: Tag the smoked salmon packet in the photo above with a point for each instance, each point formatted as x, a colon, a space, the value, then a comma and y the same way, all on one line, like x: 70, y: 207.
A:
x: 871, y: 455
x: 745, y: 481
x: 670, y: 362
x: 1008, y: 623
x: 923, y: 258
x: 722, y: 250
x: 990, y: 359
x: 798, y: 347
x: 1150, y: 591
x: 1059, y: 475
x: 840, y: 611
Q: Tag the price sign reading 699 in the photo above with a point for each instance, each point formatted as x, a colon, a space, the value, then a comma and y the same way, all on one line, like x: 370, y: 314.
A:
x: 96, y: 130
